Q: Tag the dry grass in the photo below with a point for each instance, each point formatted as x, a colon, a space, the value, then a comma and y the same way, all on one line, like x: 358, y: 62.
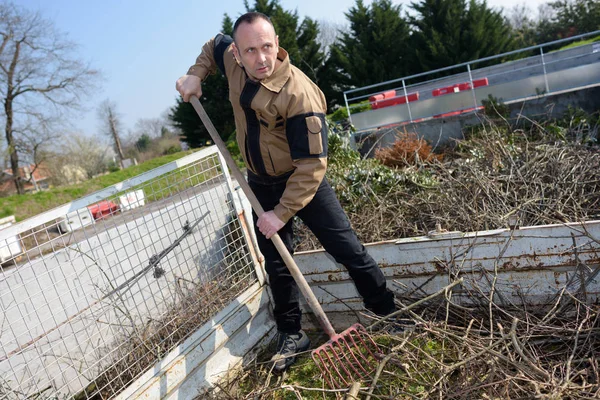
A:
x: 484, y: 349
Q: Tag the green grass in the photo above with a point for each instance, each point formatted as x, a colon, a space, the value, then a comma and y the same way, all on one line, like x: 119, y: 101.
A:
x: 28, y: 205
x: 581, y: 43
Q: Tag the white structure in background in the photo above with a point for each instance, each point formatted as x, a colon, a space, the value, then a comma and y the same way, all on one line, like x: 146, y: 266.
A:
x: 129, y: 162
x: 76, y: 220
x: 131, y: 200
x: 11, y: 246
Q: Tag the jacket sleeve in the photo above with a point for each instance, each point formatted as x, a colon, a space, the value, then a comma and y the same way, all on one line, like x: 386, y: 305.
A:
x: 306, y: 133
x: 211, y: 57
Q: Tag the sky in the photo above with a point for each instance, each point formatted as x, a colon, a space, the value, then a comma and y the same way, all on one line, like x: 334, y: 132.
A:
x: 142, y: 47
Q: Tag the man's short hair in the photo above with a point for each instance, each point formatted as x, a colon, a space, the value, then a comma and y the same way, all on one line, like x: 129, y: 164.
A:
x: 249, y: 18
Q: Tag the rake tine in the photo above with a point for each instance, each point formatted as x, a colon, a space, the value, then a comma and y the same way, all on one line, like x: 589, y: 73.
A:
x: 326, y: 372
x: 324, y: 363
x: 362, y: 333
x: 337, y: 353
x: 358, y: 362
x: 323, y: 370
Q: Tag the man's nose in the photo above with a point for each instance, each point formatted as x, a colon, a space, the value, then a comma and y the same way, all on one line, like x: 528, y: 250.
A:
x: 262, y: 57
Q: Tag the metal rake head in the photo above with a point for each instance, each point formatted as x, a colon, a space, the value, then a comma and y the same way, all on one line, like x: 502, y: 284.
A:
x: 347, y: 357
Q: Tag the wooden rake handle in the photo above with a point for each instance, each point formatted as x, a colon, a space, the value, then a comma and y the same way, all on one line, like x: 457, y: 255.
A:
x: 283, y: 251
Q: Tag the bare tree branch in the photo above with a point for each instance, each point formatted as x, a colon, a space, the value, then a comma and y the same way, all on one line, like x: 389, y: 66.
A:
x: 40, y: 79
x: 108, y: 115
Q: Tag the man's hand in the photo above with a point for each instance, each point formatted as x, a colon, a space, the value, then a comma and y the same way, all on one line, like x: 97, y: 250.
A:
x: 189, y: 85
x: 269, y: 224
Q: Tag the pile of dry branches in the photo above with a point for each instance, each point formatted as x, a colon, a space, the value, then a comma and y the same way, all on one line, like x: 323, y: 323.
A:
x: 460, y: 351
x: 497, y: 174
x: 479, y: 347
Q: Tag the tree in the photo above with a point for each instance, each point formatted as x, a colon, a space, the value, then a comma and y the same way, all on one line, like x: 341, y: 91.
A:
x: 329, y: 32
x: 523, y: 27
x: 327, y: 74
x: 376, y: 49
x: 165, y: 132
x: 448, y: 32
x: 569, y: 18
x: 80, y: 158
x: 40, y: 77
x: 149, y: 126
x: 34, y: 142
x: 110, y: 119
x: 215, y: 95
x: 143, y: 143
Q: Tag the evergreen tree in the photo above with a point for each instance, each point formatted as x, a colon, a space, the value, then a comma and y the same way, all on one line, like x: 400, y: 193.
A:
x: 449, y: 32
x: 215, y: 95
x: 376, y: 49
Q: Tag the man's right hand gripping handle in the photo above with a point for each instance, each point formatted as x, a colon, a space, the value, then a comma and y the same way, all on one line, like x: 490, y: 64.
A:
x: 189, y: 85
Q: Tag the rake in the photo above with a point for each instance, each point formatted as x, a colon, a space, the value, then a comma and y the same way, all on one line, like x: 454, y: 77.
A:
x: 346, y: 357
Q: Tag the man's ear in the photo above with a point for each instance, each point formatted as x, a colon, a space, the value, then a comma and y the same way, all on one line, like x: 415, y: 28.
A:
x: 277, y: 41
x: 236, y: 52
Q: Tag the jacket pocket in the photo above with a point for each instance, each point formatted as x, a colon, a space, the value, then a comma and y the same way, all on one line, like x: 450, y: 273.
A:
x: 315, y: 142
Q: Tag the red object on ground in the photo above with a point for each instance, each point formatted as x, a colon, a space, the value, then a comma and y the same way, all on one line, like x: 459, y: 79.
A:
x: 391, y: 98
x: 453, y: 113
x: 459, y: 87
x: 103, y: 209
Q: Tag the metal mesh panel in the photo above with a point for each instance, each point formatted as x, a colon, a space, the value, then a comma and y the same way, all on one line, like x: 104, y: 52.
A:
x: 95, y: 292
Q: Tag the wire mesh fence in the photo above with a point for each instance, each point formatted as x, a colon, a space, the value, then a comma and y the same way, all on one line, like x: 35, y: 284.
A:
x: 96, y: 291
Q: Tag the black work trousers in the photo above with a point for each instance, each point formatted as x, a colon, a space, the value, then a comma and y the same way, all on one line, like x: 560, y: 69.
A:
x: 325, y: 217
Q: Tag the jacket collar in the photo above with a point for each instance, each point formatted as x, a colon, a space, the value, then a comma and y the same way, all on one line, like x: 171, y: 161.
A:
x: 280, y: 76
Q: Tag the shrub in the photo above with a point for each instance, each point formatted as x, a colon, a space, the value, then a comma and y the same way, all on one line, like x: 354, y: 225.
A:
x: 113, y: 166
x: 494, y: 107
x: 172, y: 150
x: 341, y: 113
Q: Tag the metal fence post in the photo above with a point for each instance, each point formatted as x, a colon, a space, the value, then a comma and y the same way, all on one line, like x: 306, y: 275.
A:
x: 407, y: 103
x: 544, y: 67
x: 472, y: 86
x: 348, y: 108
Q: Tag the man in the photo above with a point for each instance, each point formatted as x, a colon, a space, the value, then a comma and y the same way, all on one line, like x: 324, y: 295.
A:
x: 281, y: 132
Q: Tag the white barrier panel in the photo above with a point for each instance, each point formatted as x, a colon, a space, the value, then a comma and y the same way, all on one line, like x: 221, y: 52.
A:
x: 131, y: 200
x: 76, y: 220
x: 10, y: 247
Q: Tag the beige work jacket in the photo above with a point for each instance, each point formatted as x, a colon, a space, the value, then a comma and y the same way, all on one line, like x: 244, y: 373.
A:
x: 280, y: 122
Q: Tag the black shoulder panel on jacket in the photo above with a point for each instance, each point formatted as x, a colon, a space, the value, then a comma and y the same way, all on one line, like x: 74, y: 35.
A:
x: 222, y: 42
x: 307, y: 135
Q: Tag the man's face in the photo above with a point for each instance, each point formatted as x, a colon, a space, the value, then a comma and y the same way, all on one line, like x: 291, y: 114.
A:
x: 256, y: 47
